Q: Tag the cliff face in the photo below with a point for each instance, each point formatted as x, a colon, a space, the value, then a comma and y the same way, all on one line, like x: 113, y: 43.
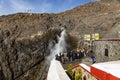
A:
x: 17, y: 56
x: 21, y: 50
x: 23, y: 58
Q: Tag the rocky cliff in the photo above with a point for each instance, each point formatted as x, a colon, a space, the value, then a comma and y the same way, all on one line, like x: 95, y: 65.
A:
x: 22, y: 58
x: 17, y: 56
x: 22, y: 44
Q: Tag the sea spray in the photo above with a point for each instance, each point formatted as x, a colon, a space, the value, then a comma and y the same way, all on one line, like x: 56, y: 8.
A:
x: 59, y: 47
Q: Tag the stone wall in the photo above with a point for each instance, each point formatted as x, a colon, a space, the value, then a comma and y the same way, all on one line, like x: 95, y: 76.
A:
x: 85, y: 74
x: 113, y: 48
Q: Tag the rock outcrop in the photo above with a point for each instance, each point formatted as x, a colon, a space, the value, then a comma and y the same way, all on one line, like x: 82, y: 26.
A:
x: 18, y: 55
x: 22, y: 57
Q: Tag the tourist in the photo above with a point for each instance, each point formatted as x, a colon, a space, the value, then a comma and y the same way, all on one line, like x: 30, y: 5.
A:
x: 81, y: 53
x: 65, y: 57
x: 71, y: 56
x: 93, y: 58
x: 84, y: 52
x: 60, y: 57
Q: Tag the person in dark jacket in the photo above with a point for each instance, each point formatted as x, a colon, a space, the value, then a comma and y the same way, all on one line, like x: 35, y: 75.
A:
x: 71, y: 56
x: 93, y: 58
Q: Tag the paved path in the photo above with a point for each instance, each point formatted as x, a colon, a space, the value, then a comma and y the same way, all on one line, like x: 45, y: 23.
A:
x: 85, y: 60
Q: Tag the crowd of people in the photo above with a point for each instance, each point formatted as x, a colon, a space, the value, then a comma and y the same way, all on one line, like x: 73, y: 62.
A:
x: 72, y: 55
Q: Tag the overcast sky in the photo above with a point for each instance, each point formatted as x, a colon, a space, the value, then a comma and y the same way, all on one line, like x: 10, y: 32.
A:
x: 39, y: 6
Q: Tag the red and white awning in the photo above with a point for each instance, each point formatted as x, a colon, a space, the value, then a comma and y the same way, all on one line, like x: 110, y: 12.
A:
x: 107, y: 70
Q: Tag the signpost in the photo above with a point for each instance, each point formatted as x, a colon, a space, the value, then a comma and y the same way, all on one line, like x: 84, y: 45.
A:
x: 96, y: 36
x: 89, y: 37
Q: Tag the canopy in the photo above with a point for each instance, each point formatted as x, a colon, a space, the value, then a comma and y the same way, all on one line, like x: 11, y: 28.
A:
x: 108, y: 69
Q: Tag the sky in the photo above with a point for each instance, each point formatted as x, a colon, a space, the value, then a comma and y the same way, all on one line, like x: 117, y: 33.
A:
x: 39, y: 6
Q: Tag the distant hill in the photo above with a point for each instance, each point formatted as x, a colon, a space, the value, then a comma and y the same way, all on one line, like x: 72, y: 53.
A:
x: 96, y: 17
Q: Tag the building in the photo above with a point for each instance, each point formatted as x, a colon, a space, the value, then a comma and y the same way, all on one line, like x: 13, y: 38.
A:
x: 97, y: 71
x: 106, y: 70
x: 107, y: 50
x: 101, y: 71
x: 86, y: 73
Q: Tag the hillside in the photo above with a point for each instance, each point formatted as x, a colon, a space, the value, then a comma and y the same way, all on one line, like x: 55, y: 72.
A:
x: 23, y: 38
x: 90, y: 18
